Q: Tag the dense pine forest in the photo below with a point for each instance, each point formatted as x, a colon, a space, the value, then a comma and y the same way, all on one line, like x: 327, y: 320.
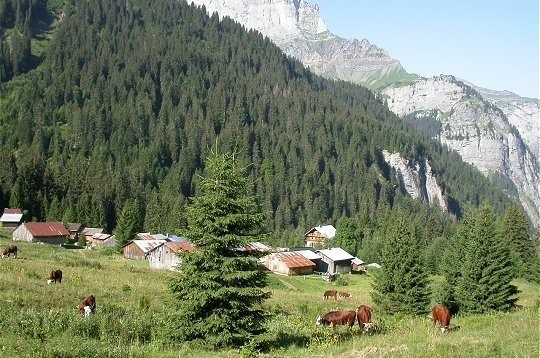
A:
x: 121, y: 106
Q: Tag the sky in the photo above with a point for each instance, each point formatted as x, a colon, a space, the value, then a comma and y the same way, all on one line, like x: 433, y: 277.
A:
x: 491, y: 43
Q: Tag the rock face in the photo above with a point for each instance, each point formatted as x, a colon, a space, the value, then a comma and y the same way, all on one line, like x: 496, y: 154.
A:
x: 498, y: 132
x: 477, y: 129
x: 417, y: 179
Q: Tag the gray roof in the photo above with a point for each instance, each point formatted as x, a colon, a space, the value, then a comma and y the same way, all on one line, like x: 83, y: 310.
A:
x: 148, y: 245
x: 336, y: 254
x: 308, y: 254
x: 357, y: 261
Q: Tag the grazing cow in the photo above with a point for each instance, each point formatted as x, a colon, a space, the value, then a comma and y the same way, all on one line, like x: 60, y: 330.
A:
x: 342, y: 294
x: 363, y: 314
x: 330, y: 293
x: 336, y: 318
x: 11, y: 249
x: 56, y: 275
x: 441, y: 315
x: 89, y: 302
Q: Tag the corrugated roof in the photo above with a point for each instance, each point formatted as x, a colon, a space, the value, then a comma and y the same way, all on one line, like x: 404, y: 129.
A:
x: 336, y: 254
x: 177, y: 246
x: 308, y: 254
x: 101, y: 236
x: 148, y: 245
x: 11, y: 218
x: 174, y: 238
x: 89, y: 231
x: 45, y: 229
x: 328, y: 231
x: 294, y: 260
x: 12, y: 211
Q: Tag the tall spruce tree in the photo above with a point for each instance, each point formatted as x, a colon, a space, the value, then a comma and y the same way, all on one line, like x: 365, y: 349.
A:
x: 129, y: 223
x: 401, y: 285
x: 219, y: 288
x: 485, y: 282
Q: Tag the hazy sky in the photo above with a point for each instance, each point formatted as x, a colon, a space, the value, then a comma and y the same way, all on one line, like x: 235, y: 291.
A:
x: 491, y: 43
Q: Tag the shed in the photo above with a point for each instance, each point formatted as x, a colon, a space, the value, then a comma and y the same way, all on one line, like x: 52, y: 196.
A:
x: 288, y: 263
x: 335, y: 260
x: 166, y: 256
x: 103, y: 240
x: 74, y: 230
x: 139, y: 249
x: 318, y: 235
x: 91, y: 231
x: 11, y: 218
x: 46, y: 232
x: 358, y: 265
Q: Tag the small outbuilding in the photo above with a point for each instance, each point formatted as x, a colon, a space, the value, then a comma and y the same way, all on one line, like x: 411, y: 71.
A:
x: 11, y: 218
x: 46, y: 232
x: 335, y: 260
x: 288, y: 263
x: 139, y: 249
x: 102, y: 240
x: 358, y: 265
x: 166, y: 256
x: 319, y: 235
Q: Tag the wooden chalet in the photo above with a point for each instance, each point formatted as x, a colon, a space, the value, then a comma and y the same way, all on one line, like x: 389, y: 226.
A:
x: 288, y: 263
x: 165, y: 256
x: 11, y: 218
x: 319, y: 235
x: 46, y: 232
x: 335, y: 260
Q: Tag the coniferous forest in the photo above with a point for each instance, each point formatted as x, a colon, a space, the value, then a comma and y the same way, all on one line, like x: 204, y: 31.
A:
x: 121, y: 106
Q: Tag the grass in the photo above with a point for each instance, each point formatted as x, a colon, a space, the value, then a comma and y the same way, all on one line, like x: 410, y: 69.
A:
x: 134, y: 308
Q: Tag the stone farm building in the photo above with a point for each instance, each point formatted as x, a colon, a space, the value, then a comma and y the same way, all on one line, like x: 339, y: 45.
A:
x: 139, y: 249
x: 165, y: 256
x: 47, y: 232
x: 289, y: 263
x: 318, y: 235
x: 11, y: 218
x: 335, y: 260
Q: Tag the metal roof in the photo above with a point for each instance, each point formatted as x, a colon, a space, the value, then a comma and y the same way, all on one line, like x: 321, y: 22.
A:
x: 12, y: 211
x: 101, y: 236
x: 174, y: 238
x: 46, y: 229
x: 293, y: 259
x: 177, y: 246
x: 336, y: 254
x: 89, y: 231
x: 148, y: 245
x: 74, y: 227
x: 11, y: 218
x: 308, y: 254
x: 357, y: 261
x: 328, y: 231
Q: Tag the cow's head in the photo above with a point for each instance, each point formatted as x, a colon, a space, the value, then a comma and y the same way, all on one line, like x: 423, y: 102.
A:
x: 87, y: 311
x: 368, y: 326
x: 444, y: 329
x: 319, y: 320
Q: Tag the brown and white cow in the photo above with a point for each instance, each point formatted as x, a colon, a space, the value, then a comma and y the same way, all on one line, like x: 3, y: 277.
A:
x: 87, y: 306
x: 55, y: 276
x: 336, y: 318
x: 442, y: 316
x: 11, y: 249
x: 342, y: 294
x: 330, y: 293
x: 363, y: 315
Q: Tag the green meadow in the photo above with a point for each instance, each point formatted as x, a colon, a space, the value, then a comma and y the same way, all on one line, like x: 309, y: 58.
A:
x: 134, y: 309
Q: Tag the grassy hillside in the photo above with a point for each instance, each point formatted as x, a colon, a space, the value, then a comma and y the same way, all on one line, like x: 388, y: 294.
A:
x: 134, y: 306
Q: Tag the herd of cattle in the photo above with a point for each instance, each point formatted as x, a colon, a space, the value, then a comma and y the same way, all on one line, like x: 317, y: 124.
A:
x: 86, y: 307
x: 439, y: 314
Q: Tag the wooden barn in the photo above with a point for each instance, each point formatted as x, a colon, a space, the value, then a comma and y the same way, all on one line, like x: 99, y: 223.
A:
x: 102, y: 240
x: 166, y: 256
x: 139, y: 249
x: 289, y: 263
x: 319, y: 235
x: 11, y: 218
x: 335, y: 260
x: 46, y: 232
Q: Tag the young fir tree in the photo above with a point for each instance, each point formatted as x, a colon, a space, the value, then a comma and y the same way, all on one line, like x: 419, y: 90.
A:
x: 485, y: 282
x: 218, y: 288
x: 515, y: 229
x: 129, y: 223
x: 401, y: 285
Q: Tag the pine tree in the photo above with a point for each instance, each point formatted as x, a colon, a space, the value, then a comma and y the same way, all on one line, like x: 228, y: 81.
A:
x: 129, y: 223
x: 487, y: 271
x: 218, y: 289
x: 401, y: 285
